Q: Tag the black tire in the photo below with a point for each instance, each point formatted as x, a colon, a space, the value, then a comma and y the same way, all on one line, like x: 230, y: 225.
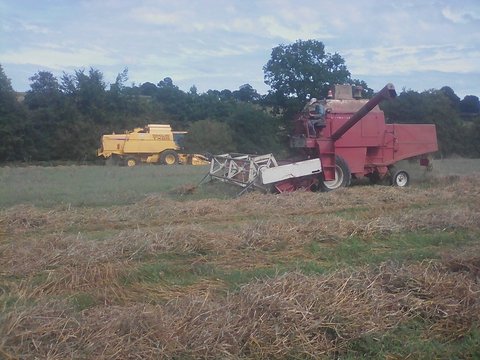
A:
x: 112, y: 161
x: 343, y: 176
x: 399, y: 178
x: 169, y: 157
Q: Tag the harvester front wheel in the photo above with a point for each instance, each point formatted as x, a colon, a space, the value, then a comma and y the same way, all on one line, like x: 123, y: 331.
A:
x: 168, y: 157
x: 343, y: 176
x: 131, y: 162
x: 399, y: 178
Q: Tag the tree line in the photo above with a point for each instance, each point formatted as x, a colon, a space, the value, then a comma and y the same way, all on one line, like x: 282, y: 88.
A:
x: 62, y: 119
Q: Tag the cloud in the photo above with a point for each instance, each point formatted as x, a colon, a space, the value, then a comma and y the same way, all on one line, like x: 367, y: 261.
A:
x: 458, y: 15
x: 218, y: 51
x: 210, y: 43
x: 53, y: 57
x: 407, y: 59
x: 156, y: 17
x: 285, y: 23
x: 34, y: 28
x: 291, y: 32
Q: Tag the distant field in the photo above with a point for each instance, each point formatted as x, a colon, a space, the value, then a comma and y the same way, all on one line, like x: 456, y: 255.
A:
x: 112, y: 185
x: 116, y: 263
x: 91, y: 185
x: 446, y: 167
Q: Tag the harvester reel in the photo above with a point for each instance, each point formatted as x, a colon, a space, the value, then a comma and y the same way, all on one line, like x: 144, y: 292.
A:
x: 342, y: 176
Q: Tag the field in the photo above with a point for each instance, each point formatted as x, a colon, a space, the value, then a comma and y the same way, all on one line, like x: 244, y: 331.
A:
x: 118, y: 263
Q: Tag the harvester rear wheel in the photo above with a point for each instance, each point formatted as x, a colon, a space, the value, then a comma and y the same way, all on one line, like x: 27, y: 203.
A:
x: 169, y: 157
x: 343, y: 176
x: 399, y: 178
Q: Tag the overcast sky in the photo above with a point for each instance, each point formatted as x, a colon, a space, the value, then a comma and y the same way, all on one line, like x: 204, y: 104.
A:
x: 220, y: 44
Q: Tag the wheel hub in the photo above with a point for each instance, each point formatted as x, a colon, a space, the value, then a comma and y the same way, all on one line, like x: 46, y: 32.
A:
x: 334, y: 184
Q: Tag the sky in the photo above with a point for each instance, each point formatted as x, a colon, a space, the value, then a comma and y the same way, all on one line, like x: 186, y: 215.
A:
x: 219, y: 44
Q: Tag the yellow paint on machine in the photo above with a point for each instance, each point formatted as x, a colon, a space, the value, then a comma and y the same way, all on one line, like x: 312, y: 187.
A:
x: 155, y: 143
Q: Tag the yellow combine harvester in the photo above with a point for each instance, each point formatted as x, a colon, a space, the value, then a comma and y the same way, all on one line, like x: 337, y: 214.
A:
x: 156, y: 143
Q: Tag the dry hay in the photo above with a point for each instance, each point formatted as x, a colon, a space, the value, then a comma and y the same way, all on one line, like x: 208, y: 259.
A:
x: 157, y: 210
x: 466, y: 261
x: 65, y: 251
x: 78, y: 278
x: 235, y: 230
x: 289, y: 315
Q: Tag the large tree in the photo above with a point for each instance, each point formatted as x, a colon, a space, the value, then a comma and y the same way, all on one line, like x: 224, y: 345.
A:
x: 304, y: 69
x: 209, y: 136
x: 246, y: 93
x: 45, y: 91
x: 470, y: 104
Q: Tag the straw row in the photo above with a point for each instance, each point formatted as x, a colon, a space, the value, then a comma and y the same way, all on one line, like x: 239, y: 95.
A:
x: 290, y: 315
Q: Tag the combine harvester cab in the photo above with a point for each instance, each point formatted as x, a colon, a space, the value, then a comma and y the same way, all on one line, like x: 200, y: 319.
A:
x: 341, y: 137
x: 156, y: 143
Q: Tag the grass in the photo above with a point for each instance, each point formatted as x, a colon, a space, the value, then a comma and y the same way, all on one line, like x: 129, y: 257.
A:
x: 111, y: 262
x: 414, y: 246
x: 92, y: 185
x: 409, y: 340
x: 82, y: 301
x: 111, y: 185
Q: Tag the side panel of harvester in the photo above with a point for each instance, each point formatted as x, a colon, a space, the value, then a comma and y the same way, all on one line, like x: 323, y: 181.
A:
x: 371, y: 143
x: 413, y: 139
x: 353, y: 146
x: 153, y: 139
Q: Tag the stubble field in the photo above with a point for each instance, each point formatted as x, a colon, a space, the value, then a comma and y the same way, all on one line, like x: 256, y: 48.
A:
x: 119, y: 263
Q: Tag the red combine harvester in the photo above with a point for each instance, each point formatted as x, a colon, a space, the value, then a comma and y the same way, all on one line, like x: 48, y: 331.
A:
x: 342, y: 137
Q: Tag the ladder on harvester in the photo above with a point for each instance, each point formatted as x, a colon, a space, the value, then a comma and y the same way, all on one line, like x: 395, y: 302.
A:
x: 240, y: 169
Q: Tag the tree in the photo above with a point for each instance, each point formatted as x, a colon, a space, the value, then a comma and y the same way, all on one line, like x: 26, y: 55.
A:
x: 46, y: 104
x: 87, y: 92
x: 7, y: 95
x: 255, y: 131
x: 470, y: 105
x: 246, y: 93
x: 119, y: 84
x: 407, y: 107
x: 209, y: 136
x: 45, y: 91
x: 148, y: 89
x: 173, y: 100
x: 450, y: 132
x: 450, y: 94
x: 304, y: 69
x: 13, y: 145
x: 193, y: 90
